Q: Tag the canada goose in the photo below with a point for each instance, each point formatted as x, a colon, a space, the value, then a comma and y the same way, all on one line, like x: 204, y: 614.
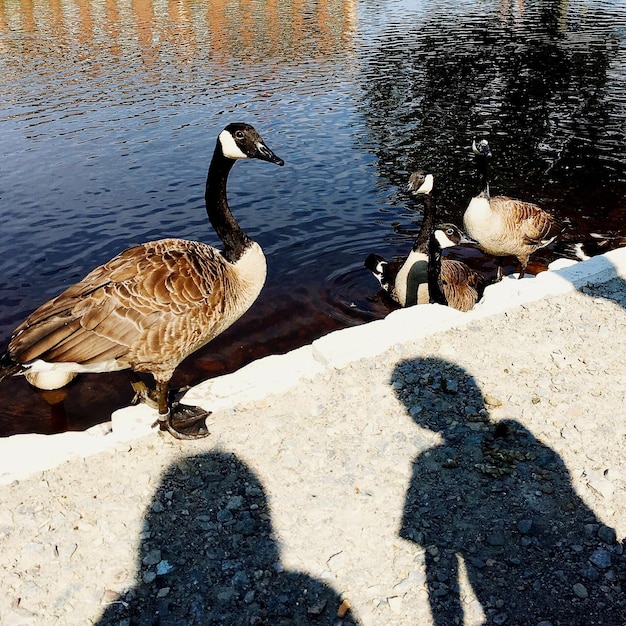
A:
x: 154, y: 304
x: 383, y: 271
x: 584, y: 250
x: 450, y: 281
x: 407, y: 284
x: 504, y: 226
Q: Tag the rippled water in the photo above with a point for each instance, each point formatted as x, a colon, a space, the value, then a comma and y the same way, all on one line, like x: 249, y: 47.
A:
x: 109, y: 114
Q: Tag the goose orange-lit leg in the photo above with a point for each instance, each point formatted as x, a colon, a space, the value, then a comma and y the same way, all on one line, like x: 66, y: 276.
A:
x: 523, y: 265
x: 500, y: 263
x: 142, y: 392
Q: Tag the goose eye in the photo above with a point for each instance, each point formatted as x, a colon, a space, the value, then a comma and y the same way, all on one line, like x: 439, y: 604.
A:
x: 239, y: 134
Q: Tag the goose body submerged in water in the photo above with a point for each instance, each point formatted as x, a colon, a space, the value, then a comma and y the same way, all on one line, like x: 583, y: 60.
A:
x: 407, y: 284
x: 504, y: 226
x: 585, y: 250
x: 151, y: 306
x: 450, y: 281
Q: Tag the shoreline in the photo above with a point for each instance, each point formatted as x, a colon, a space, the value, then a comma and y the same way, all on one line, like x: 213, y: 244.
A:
x: 414, y: 470
x: 25, y: 454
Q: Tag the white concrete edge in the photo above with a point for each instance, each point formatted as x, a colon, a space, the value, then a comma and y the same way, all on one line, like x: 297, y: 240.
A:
x: 24, y: 455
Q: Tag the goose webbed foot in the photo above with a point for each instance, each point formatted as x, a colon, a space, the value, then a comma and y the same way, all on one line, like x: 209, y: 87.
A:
x: 184, y: 421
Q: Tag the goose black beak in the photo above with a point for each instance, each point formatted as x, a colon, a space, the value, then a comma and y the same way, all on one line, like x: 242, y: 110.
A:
x: 468, y: 240
x: 265, y: 154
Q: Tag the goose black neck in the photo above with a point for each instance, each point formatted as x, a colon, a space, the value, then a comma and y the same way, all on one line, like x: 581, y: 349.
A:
x: 428, y: 223
x: 481, y: 167
x: 434, y: 271
x: 228, y: 230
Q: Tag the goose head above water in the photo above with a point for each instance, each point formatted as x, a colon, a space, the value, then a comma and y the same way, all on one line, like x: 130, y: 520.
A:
x: 420, y: 182
x: 449, y: 235
x: 241, y: 141
x: 480, y: 147
x: 380, y: 269
x: 153, y: 305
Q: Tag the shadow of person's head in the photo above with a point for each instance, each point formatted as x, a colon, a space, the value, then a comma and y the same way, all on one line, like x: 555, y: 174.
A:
x: 446, y: 399
x: 209, y: 555
x: 438, y: 394
x: 496, y: 499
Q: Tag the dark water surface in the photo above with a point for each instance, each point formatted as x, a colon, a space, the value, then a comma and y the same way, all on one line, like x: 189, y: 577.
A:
x: 109, y: 114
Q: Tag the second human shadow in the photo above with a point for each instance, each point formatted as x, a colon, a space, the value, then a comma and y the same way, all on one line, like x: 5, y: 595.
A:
x: 495, y: 498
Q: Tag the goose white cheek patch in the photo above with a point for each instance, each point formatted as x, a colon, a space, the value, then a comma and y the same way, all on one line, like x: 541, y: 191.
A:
x: 427, y: 185
x: 443, y: 240
x: 229, y: 148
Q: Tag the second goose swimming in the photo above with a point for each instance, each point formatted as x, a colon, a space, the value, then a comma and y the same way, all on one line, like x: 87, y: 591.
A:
x: 407, y: 284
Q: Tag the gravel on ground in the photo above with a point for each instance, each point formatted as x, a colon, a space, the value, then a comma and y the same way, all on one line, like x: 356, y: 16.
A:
x: 476, y: 476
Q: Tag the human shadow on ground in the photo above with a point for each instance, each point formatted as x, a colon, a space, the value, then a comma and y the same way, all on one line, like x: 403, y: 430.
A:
x: 492, y: 495
x: 209, y: 556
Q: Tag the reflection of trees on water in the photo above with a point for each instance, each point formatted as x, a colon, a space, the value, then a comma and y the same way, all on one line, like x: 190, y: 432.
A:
x: 178, y: 38
x: 536, y: 80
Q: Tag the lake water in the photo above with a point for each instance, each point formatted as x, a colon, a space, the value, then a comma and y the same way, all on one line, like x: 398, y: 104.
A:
x: 109, y: 113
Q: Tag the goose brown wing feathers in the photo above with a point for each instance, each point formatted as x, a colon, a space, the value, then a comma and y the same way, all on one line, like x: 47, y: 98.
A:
x: 536, y: 226
x: 542, y: 229
x: 460, y: 284
x: 130, y: 309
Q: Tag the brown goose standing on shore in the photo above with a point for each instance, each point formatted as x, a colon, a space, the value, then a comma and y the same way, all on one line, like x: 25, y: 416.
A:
x: 407, y: 284
x: 450, y: 281
x: 154, y: 304
x: 504, y: 226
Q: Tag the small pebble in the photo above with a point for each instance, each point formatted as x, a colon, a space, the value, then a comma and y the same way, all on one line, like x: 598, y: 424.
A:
x: 607, y: 534
x: 601, y: 558
x: 149, y: 577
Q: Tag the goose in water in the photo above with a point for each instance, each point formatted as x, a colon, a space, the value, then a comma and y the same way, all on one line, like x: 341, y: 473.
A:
x: 594, y: 245
x: 451, y: 282
x: 504, y: 226
x: 151, y: 306
x: 407, y: 285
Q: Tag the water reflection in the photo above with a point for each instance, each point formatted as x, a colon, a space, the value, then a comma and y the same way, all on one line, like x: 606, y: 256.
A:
x: 110, y: 111
x: 177, y: 33
x: 543, y: 80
